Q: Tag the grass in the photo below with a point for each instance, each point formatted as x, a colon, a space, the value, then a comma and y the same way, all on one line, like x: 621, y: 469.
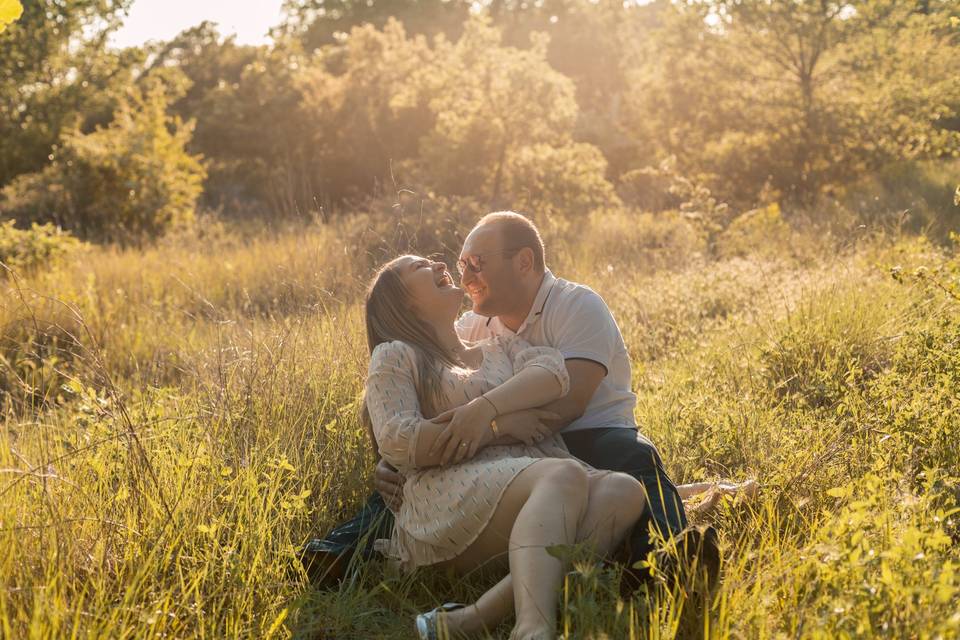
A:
x: 177, y: 421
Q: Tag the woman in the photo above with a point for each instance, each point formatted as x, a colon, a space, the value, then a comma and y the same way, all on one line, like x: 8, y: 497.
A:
x: 473, y: 494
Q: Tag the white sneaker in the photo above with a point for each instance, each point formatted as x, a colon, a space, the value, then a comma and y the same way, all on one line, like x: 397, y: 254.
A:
x: 428, y: 623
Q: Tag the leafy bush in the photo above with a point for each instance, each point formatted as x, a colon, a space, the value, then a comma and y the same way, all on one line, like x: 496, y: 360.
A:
x: 761, y: 231
x: 916, y: 398
x: 567, y: 180
x: 128, y: 182
x: 647, y: 188
x: 915, y: 195
x: 29, y: 249
x: 881, y: 563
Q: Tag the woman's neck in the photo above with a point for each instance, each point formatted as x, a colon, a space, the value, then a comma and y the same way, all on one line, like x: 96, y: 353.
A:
x: 450, y: 341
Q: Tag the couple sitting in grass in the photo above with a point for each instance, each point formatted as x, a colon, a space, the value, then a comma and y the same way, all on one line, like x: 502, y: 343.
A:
x: 511, y: 429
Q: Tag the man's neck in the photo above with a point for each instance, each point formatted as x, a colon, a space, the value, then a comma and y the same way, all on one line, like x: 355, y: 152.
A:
x: 514, y: 319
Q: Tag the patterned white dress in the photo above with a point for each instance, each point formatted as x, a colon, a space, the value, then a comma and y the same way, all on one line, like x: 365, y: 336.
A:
x: 445, y: 508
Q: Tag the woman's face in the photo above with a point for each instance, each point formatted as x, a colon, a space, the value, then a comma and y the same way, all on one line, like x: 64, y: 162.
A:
x: 433, y: 295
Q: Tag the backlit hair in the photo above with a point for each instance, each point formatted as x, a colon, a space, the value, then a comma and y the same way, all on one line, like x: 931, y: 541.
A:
x: 389, y: 316
x: 518, y: 232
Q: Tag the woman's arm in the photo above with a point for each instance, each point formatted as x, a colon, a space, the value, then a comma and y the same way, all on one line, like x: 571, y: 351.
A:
x: 403, y: 436
x: 540, y: 378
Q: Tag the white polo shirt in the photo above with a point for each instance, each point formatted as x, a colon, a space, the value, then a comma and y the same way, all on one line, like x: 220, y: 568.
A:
x: 574, y: 319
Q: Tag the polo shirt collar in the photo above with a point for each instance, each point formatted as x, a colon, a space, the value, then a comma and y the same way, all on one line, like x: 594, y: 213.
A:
x: 540, y: 301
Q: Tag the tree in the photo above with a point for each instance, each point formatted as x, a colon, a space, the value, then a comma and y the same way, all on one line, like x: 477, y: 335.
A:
x: 55, y: 75
x: 788, y: 98
x: 241, y: 99
x: 488, y: 101
x: 128, y: 182
x: 316, y: 23
x: 355, y: 127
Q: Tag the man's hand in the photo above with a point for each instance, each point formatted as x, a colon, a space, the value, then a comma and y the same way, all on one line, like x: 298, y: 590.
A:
x: 528, y: 426
x: 389, y: 484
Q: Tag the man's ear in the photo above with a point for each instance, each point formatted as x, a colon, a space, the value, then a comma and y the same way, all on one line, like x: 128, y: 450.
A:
x: 526, y: 259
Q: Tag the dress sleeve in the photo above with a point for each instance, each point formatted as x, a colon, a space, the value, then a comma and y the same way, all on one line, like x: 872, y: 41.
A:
x: 523, y: 355
x: 391, y: 397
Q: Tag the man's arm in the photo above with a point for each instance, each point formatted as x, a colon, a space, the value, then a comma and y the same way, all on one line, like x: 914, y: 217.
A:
x: 585, y: 377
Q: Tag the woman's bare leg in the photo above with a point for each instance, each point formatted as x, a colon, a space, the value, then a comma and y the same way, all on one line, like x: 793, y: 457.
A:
x: 615, y: 502
x: 543, y: 506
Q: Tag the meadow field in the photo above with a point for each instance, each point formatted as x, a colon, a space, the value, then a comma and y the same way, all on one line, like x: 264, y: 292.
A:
x: 765, y: 192
x: 178, y: 420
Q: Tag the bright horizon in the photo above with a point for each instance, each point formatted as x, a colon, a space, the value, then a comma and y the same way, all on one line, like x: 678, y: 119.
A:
x: 163, y: 19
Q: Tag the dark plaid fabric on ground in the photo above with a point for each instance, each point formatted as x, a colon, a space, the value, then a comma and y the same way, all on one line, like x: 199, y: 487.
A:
x: 327, y: 559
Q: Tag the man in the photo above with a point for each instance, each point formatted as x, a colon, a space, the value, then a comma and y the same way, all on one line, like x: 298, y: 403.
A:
x: 503, y: 270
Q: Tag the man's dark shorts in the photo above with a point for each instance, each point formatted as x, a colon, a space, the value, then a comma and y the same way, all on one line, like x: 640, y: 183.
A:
x: 625, y: 450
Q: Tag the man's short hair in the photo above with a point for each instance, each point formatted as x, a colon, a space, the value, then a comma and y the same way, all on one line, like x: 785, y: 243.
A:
x: 518, y: 232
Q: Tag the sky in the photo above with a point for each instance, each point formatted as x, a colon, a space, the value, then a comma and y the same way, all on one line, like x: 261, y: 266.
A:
x: 163, y: 19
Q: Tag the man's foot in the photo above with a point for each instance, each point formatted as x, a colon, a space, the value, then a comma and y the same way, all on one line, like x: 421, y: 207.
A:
x: 532, y: 633
x: 738, y: 492
x: 692, y: 559
x: 747, y: 490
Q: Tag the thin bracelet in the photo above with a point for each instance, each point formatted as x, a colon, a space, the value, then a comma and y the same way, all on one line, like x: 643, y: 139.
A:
x: 493, y: 427
x: 495, y: 410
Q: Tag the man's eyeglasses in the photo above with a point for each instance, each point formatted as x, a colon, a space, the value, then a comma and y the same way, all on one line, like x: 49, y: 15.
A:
x: 475, y: 263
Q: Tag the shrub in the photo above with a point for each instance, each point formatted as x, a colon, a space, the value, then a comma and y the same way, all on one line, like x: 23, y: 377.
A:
x: 916, y: 195
x: 128, y: 182
x: 916, y: 398
x: 567, y: 180
x: 647, y: 189
x: 29, y: 249
x: 759, y: 231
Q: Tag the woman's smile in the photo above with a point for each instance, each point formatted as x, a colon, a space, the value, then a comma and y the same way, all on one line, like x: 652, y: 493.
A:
x: 445, y: 281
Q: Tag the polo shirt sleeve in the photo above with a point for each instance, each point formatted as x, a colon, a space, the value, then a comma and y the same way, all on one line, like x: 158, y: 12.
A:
x: 585, y: 329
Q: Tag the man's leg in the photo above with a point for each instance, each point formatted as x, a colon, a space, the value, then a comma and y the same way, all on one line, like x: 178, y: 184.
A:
x: 326, y: 559
x: 625, y: 450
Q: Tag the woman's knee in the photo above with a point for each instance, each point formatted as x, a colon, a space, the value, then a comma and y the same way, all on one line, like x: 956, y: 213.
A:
x: 569, y: 477
x: 625, y: 492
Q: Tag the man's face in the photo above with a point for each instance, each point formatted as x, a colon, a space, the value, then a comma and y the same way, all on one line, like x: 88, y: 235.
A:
x: 496, y: 286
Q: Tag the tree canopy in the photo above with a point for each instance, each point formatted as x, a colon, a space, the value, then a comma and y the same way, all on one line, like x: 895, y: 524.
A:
x: 557, y: 105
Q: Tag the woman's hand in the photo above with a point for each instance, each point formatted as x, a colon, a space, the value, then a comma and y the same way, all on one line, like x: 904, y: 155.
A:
x: 527, y: 425
x: 389, y: 484
x: 468, y: 429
